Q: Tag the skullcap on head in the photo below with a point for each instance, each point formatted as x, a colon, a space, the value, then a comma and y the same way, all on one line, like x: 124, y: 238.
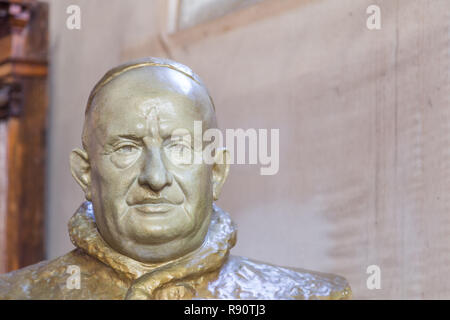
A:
x: 145, y: 62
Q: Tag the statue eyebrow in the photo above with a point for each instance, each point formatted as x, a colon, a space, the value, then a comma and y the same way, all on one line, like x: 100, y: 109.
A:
x: 126, y: 136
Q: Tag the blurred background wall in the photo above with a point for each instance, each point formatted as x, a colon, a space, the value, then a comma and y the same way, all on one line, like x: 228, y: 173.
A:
x: 363, y: 117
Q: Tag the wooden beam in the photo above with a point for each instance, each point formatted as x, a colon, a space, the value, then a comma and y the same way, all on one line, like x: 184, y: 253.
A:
x: 23, y: 66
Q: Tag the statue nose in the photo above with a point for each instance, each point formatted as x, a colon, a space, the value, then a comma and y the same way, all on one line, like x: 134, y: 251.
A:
x: 155, y: 174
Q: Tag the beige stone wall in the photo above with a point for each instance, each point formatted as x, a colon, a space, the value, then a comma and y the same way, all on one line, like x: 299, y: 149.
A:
x: 363, y: 116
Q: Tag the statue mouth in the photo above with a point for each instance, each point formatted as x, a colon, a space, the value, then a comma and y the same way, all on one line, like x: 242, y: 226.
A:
x: 153, y: 207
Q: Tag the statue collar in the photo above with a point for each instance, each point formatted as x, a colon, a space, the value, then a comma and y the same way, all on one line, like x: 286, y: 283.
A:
x: 221, y: 237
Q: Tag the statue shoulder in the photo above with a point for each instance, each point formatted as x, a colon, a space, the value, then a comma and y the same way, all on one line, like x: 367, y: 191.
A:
x: 49, y: 279
x: 18, y: 284
x: 256, y: 280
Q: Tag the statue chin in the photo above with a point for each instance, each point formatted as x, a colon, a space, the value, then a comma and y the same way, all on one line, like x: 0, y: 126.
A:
x: 159, y: 250
x: 154, y: 237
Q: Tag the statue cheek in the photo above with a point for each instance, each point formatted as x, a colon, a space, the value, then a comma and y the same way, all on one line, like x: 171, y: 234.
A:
x: 113, y: 181
x: 193, y: 182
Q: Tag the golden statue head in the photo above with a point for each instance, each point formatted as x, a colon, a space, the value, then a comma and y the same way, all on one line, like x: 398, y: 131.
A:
x: 149, y: 204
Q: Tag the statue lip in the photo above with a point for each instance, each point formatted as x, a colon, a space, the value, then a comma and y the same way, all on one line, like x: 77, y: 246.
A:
x: 150, y: 200
x: 149, y: 204
x: 153, y: 207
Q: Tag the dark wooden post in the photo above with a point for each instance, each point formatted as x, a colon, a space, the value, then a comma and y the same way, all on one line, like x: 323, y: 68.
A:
x: 23, y: 105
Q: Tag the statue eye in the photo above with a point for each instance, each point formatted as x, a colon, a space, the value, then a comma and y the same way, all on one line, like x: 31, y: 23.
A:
x: 179, y: 147
x: 125, y: 155
x: 126, y: 149
x: 180, y: 152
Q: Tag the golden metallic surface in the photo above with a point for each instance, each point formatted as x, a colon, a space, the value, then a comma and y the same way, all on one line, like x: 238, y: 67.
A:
x: 149, y: 228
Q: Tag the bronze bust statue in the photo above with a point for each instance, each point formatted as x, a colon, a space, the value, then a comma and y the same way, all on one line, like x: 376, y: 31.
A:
x: 149, y: 228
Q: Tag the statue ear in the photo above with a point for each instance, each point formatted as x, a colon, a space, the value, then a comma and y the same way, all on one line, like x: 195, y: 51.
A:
x: 81, y: 170
x: 220, y: 170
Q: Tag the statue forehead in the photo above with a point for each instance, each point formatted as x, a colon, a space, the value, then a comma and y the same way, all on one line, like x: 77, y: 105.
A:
x: 134, y: 89
x: 131, y: 96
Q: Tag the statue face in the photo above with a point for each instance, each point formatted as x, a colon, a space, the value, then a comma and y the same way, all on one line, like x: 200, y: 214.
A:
x: 148, y: 205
